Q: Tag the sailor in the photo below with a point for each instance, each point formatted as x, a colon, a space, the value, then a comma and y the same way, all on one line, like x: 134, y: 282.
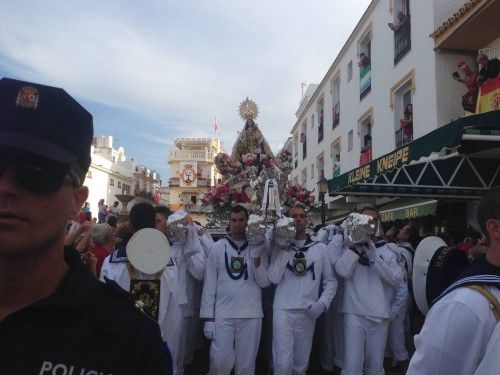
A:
x: 194, y: 332
x: 298, y: 272
x: 464, y: 313
x: 371, y: 274
x: 332, y: 347
x: 55, y: 317
x: 231, y: 303
x: 190, y: 264
x: 407, y: 238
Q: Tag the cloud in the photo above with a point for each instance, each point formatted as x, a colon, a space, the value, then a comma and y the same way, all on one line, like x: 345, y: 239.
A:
x: 173, y: 66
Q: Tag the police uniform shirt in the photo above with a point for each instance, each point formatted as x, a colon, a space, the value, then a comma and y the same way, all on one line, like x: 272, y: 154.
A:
x: 85, y: 327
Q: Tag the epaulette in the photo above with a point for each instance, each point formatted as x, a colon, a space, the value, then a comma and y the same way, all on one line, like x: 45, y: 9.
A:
x: 123, y: 293
x: 119, y: 256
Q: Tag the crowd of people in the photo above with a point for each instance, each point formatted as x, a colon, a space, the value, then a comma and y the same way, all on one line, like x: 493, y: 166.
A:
x: 255, y: 299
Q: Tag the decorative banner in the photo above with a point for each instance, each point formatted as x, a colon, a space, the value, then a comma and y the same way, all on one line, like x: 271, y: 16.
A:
x: 188, y: 174
x: 489, y: 96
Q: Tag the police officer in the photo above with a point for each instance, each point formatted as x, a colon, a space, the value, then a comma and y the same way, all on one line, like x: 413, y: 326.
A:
x: 55, y: 318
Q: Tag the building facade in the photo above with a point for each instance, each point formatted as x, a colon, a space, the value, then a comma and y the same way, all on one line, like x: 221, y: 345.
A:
x: 110, y: 173
x: 401, y: 53
x: 192, y: 171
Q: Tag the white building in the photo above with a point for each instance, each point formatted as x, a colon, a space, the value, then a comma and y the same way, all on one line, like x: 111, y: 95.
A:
x: 192, y: 171
x: 110, y: 173
x: 360, y: 102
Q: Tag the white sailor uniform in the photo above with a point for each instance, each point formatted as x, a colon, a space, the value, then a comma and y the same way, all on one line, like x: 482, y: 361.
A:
x: 194, y: 335
x: 399, y: 304
x: 116, y: 267
x: 176, y: 285
x: 458, y: 327
x: 190, y: 261
x: 232, y: 297
x: 333, y: 348
x: 369, y: 283
x: 298, y: 273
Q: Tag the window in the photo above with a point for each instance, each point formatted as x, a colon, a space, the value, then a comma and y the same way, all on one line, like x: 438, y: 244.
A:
x: 312, y: 170
x: 365, y: 67
x: 320, y: 163
x: 335, y: 155
x: 349, y: 140
x: 193, y: 199
x: 112, y: 181
x: 320, y: 109
x: 312, y: 121
x: 335, y: 103
x: 303, y: 140
x: 403, y: 114
x: 365, y: 134
x: 402, y: 29
x: 303, y: 176
x: 125, y: 189
x: 119, y: 184
x: 349, y: 71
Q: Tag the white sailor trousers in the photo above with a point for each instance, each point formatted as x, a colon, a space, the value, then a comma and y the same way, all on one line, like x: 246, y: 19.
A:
x: 293, y: 332
x: 365, y: 342
x: 396, y: 338
x: 176, y: 335
x: 235, y: 344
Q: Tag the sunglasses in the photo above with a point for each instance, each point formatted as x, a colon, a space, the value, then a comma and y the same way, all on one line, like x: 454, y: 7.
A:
x: 40, y: 176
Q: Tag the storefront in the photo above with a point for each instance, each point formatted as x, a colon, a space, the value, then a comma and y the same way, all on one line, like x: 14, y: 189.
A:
x: 452, y: 165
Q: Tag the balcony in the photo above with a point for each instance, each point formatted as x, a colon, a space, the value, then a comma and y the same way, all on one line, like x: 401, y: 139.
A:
x: 404, y: 136
x: 191, y: 155
x: 402, y: 41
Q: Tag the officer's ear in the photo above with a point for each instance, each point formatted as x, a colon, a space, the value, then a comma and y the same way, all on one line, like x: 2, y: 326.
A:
x: 80, y: 195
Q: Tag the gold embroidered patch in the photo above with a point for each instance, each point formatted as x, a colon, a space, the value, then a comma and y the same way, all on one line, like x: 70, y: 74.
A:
x: 27, y: 97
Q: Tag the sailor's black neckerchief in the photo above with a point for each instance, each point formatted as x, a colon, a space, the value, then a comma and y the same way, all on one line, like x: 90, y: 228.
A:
x: 239, y: 249
x: 363, y: 258
x: 479, y: 272
x: 299, y: 254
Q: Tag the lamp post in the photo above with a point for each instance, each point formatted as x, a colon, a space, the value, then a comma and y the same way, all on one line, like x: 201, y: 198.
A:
x: 322, y: 190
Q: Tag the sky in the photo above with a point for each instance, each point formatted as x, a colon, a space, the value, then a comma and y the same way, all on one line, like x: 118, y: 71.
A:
x: 151, y: 71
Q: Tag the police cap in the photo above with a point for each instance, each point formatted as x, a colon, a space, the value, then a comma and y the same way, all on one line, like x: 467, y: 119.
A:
x: 46, y: 121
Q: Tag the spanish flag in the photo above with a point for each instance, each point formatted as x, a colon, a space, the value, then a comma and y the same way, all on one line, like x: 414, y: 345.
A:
x: 489, y: 96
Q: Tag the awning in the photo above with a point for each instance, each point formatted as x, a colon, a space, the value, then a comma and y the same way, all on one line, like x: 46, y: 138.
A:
x: 410, y: 208
x: 467, y: 164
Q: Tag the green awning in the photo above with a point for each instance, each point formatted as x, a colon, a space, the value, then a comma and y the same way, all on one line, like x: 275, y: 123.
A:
x: 409, y: 208
x: 399, y: 173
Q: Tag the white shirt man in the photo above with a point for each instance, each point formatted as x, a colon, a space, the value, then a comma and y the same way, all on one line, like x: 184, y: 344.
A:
x: 175, y: 289
x: 231, y: 301
x: 369, y: 283
x: 460, y: 324
x: 298, y: 271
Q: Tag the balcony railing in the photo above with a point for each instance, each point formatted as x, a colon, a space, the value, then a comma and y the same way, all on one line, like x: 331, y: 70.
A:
x: 404, y: 135
x: 402, y: 41
x: 191, y: 155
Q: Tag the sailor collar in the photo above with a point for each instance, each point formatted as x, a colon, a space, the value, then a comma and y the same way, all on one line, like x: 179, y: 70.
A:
x: 479, y: 272
x: 238, y: 249
x: 309, y: 242
x: 299, y: 263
